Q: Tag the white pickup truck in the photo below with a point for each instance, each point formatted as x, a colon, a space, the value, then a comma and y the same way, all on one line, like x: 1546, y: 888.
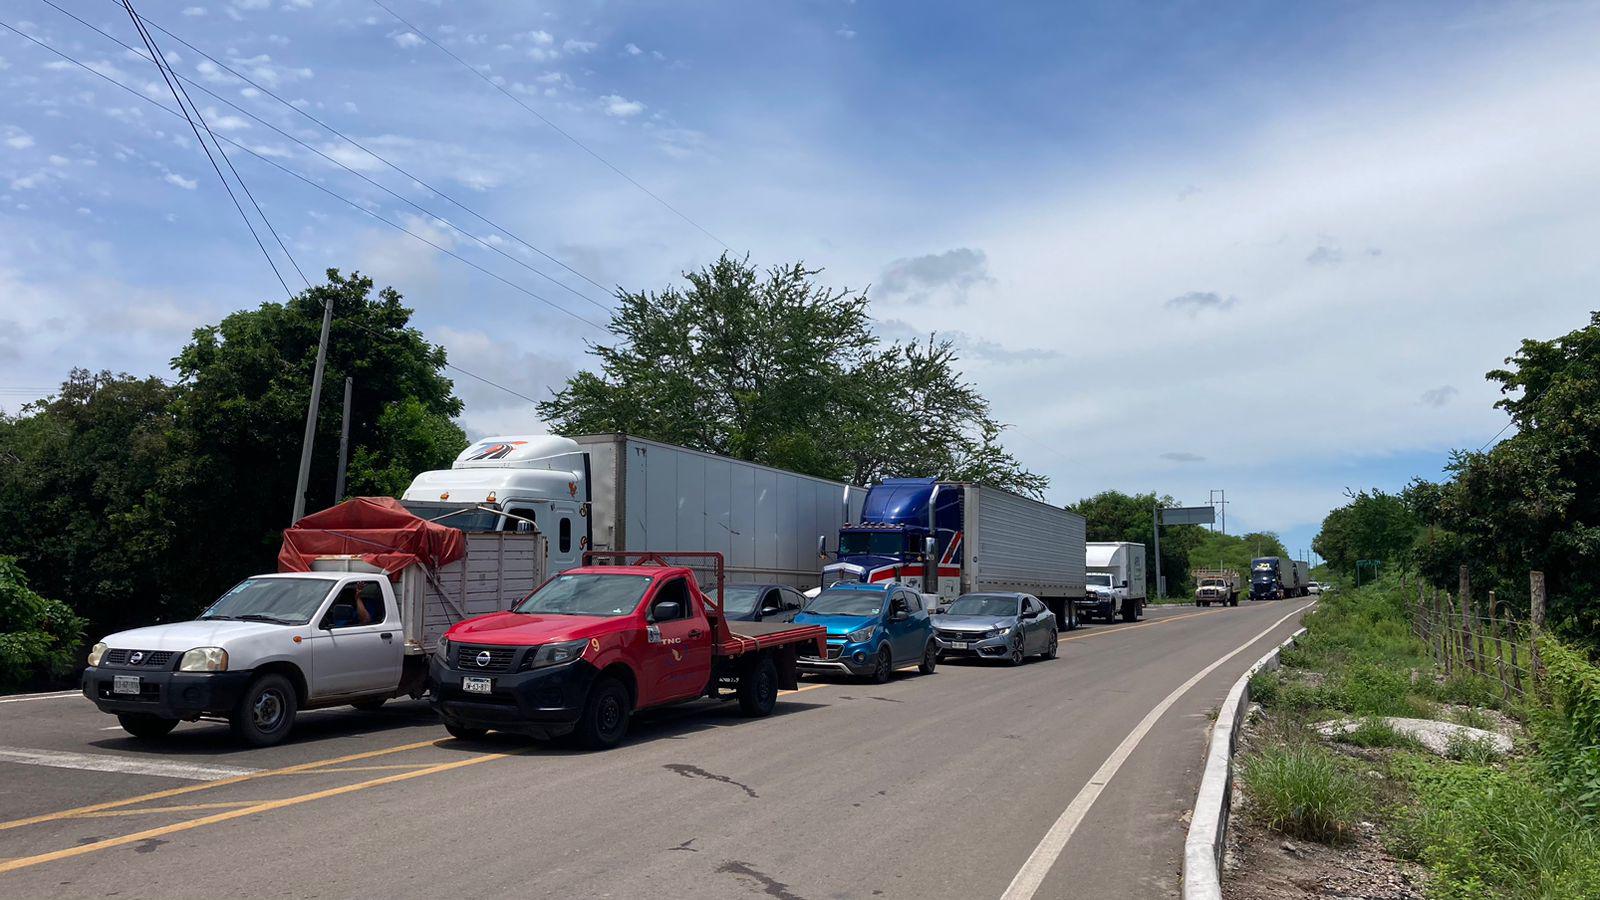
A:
x: 342, y: 633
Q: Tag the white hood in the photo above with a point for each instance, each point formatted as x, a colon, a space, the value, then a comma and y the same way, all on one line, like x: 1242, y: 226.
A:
x: 181, y: 636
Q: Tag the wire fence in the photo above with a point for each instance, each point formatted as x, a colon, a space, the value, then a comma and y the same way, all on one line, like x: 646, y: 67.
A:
x: 1483, y: 640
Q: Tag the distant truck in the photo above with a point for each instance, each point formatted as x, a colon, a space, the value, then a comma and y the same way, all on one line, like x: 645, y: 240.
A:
x: 1115, y: 580
x: 949, y: 538
x: 1216, y: 586
x: 1302, y: 578
x: 599, y: 642
x: 365, y: 589
x: 615, y: 492
x: 1274, y: 578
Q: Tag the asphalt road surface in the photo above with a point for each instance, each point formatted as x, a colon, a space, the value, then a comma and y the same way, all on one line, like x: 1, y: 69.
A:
x: 1064, y: 778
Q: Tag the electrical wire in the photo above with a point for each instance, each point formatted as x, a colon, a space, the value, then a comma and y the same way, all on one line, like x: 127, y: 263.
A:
x: 335, y: 162
x: 305, y: 180
x: 365, y: 149
x: 557, y: 128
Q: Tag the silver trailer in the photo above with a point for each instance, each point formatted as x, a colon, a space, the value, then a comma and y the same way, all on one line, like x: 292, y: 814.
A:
x: 499, y: 569
x: 1012, y: 543
x: 647, y: 495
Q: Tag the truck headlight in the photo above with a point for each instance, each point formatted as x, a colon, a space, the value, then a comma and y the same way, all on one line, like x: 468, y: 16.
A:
x: 204, y: 659
x: 443, y: 649
x: 555, y: 654
x: 861, y: 636
x: 95, y: 652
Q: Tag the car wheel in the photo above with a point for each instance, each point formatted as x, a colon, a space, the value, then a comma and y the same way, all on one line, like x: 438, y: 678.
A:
x: 145, y: 726
x: 463, y: 733
x: 370, y: 705
x: 266, y: 711
x: 1052, y: 648
x: 758, y: 688
x: 1130, y: 611
x: 883, y: 667
x: 930, y: 658
x: 605, y: 716
x: 1017, y: 657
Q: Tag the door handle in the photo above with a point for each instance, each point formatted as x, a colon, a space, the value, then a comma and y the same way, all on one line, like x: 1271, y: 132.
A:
x: 695, y: 633
x: 388, y: 636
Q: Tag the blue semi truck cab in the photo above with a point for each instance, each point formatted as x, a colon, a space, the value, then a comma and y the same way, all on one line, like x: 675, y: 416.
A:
x: 910, y: 532
x: 1267, y: 578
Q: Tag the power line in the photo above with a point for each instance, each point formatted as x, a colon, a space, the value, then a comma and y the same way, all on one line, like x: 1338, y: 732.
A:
x: 369, y: 151
x: 333, y: 161
x: 302, y: 178
x: 557, y: 128
x: 1497, y: 434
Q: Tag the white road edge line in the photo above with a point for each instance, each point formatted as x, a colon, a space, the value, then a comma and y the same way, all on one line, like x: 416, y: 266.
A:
x: 57, y: 695
x: 1044, y: 856
x: 98, y: 762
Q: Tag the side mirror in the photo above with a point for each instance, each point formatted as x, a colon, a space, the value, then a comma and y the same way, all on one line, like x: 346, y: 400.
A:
x: 770, y: 611
x: 524, y: 527
x: 1124, y: 584
x: 666, y: 610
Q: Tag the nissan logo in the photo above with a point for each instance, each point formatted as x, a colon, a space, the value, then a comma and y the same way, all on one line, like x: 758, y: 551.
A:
x: 136, y: 658
x: 483, y: 658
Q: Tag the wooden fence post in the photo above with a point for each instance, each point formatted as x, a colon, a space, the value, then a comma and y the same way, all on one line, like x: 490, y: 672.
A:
x: 1468, y: 662
x: 1536, y: 619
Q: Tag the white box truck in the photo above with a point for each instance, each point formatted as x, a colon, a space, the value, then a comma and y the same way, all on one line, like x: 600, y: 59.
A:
x: 1116, y: 580
x: 619, y: 492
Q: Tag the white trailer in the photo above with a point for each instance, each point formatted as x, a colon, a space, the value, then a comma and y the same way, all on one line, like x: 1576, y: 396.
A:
x: 1013, y: 543
x: 619, y: 492
x: 1116, y: 576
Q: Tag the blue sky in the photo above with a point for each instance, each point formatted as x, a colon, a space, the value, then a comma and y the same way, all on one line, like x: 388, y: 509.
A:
x: 1262, y: 247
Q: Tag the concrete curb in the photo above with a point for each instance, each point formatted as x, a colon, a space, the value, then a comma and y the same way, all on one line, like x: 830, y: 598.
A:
x: 1208, y: 828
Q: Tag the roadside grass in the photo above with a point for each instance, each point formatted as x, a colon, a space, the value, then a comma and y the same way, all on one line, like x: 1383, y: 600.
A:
x: 1375, y: 733
x: 1305, y: 791
x: 1471, y: 717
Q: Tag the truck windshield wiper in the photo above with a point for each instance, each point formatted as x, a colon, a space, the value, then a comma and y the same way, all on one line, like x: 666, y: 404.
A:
x: 258, y: 617
x: 209, y: 618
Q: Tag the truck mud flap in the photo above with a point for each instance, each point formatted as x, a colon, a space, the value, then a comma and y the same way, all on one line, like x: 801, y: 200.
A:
x: 788, y: 672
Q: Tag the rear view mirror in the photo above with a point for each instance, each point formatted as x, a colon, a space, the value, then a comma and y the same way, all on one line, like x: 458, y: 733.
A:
x: 770, y: 610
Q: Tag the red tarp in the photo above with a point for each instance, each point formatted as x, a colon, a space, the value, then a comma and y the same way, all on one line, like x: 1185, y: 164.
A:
x: 378, y: 529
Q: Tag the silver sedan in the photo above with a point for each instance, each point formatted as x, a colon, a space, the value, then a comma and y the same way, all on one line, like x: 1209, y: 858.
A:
x: 1004, y: 626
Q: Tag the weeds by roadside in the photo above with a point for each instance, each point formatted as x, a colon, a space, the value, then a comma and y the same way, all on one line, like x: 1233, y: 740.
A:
x: 1305, y: 791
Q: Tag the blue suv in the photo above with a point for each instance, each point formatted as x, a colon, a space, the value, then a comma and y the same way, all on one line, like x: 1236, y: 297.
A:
x: 873, y: 629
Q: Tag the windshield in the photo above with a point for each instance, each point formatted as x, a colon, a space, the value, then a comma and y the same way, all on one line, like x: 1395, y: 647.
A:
x: 984, y: 605
x: 1103, y: 579
x: 464, y: 516
x: 847, y: 603
x: 738, y: 599
x: 586, y: 595
x: 290, y: 601
x: 1213, y: 582
x: 879, y: 543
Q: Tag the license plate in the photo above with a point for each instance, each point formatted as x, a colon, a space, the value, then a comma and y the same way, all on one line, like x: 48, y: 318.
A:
x: 474, y: 685
x: 124, y: 684
x: 958, y: 645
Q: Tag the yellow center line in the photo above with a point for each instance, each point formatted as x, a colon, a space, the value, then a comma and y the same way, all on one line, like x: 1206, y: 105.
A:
x: 175, y: 792
x: 23, y: 862
x: 388, y: 768
x: 188, y: 807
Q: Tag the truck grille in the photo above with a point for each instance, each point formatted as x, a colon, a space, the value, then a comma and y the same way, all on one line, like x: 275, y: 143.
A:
x: 499, y: 658
x: 147, y: 658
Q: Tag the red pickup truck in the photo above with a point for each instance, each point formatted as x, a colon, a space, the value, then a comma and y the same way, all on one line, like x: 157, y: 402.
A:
x: 596, y: 643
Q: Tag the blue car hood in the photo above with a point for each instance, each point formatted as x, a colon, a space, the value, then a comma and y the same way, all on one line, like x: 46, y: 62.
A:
x: 836, y: 624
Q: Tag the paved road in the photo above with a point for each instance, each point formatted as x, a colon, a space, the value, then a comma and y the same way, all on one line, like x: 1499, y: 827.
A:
x: 930, y: 786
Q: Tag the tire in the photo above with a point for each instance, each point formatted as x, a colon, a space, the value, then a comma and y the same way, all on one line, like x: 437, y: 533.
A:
x: 145, y: 726
x: 1052, y: 649
x: 883, y: 668
x: 1017, y: 657
x: 930, y: 658
x: 265, y: 713
x: 758, y: 688
x: 604, y: 722
x: 370, y: 705
x: 1130, y: 610
x: 463, y: 733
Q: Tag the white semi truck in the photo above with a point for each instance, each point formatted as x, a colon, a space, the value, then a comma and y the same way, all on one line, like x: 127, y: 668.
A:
x: 1116, y: 580
x: 618, y: 492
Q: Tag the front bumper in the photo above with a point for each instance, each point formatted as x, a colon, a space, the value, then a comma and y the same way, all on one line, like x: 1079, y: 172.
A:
x: 982, y: 647
x: 170, y: 695
x: 542, y: 703
x: 848, y: 659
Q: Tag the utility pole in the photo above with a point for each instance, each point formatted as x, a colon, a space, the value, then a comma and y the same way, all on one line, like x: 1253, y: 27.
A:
x: 311, y: 413
x: 344, y: 442
x: 1155, y: 527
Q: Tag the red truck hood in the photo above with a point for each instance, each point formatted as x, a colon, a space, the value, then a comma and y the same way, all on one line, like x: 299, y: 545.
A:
x: 522, y: 630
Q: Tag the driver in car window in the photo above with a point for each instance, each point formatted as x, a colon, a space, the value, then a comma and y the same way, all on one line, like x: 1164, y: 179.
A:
x: 351, y: 609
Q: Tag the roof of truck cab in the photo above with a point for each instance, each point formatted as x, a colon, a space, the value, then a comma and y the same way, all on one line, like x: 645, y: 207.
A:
x: 325, y: 576
x: 650, y: 571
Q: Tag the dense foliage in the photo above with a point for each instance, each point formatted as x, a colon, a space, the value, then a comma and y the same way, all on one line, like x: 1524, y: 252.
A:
x: 38, y: 637
x: 780, y: 370
x: 1372, y: 526
x: 133, y: 500
x: 1115, y: 516
x: 1216, y: 550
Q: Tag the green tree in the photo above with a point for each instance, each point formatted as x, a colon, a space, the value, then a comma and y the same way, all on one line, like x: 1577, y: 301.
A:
x: 780, y: 370
x: 1233, y: 551
x: 38, y: 637
x: 1373, y: 525
x: 1115, y: 516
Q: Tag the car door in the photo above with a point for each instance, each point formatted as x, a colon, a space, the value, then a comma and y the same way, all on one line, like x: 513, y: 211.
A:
x: 792, y: 601
x: 678, y: 646
x: 905, y: 633
x: 1033, y: 625
x: 351, y: 656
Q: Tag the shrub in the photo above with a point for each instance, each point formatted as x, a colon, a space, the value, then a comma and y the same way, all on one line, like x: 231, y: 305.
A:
x: 1466, y: 748
x: 1304, y: 791
x: 1468, y: 690
x: 37, y: 636
x: 1375, y: 732
x: 1371, y: 690
x: 1264, y: 687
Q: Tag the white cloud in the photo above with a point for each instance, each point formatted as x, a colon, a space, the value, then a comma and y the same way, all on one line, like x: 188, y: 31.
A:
x: 575, y: 46
x: 538, y: 38
x: 846, y: 32
x: 173, y: 178
x: 407, y: 39
x: 621, y: 107
x: 1194, y: 302
x: 632, y: 49
x: 194, y: 10
x: 19, y: 141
